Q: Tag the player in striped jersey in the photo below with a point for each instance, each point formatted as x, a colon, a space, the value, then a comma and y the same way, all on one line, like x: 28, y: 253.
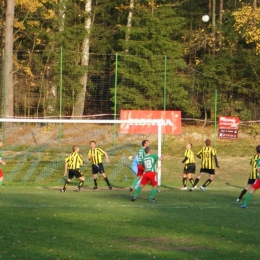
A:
x: 189, y: 166
x: 253, y: 174
x: 140, y: 172
x: 73, y: 163
x: 209, y: 162
x: 95, y: 156
x: 255, y: 186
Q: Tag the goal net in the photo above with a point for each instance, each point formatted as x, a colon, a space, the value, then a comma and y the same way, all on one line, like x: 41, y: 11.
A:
x: 34, y: 149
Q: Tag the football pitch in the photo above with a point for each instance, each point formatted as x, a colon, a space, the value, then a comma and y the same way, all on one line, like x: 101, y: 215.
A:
x: 42, y: 223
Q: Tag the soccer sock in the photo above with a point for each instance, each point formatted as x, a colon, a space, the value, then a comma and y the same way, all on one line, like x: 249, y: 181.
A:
x: 95, y: 182
x: 248, y: 197
x: 153, y: 192
x: 66, y: 185
x: 107, y: 181
x: 134, y: 182
x: 137, y: 191
x: 184, y: 181
x: 242, y: 194
x: 196, y: 182
x: 191, y: 181
x: 208, y: 181
x: 80, y: 184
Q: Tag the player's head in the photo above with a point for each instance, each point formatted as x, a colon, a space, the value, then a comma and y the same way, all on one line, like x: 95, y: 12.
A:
x: 258, y: 149
x: 92, y: 144
x: 147, y: 150
x: 188, y: 146
x: 145, y: 143
x: 75, y: 148
x: 208, y: 142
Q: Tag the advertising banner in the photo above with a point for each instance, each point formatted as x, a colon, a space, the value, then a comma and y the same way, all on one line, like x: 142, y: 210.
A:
x: 171, y: 122
x: 228, y: 127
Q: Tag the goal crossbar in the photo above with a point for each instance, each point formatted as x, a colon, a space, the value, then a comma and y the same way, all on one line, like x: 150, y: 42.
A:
x: 157, y: 122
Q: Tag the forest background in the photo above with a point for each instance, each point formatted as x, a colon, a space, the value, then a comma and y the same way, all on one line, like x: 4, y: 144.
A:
x: 158, y: 55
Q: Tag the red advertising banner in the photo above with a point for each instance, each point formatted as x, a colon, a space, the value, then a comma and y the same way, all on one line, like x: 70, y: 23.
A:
x: 171, y: 121
x: 228, y: 127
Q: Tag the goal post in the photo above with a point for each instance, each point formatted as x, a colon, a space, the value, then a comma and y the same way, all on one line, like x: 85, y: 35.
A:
x: 158, y: 122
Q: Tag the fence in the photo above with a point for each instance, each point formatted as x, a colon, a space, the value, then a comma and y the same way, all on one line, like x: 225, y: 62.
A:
x: 49, y: 84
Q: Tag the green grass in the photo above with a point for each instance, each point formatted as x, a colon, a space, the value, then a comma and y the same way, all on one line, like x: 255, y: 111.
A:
x: 42, y: 223
x: 39, y: 222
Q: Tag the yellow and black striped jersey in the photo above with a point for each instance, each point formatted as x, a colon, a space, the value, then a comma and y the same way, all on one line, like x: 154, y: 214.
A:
x: 207, y: 155
x: 189, y: 156
x: 74, y: 161
x: 97, y: 158
x: 253, y: 174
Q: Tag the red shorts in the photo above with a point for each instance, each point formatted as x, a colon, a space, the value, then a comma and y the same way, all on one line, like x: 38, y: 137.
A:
x: 1, y: 173
x: 149, y: 176
x: 140, y: 170
x: 256, y: 184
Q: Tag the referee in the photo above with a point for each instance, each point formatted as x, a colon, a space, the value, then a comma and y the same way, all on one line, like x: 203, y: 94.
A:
x: 95, y: 156
x: 209, y: 162
x: 73, y: 163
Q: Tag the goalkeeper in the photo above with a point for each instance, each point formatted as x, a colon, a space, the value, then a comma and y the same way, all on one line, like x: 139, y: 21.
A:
x: 140, y: 166
x: 254, y: 187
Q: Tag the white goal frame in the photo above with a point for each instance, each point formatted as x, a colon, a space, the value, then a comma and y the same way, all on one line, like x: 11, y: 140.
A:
x: 157, y: 122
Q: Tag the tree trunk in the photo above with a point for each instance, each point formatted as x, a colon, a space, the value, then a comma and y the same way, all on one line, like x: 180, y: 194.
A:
x: 62, y: 11
x: 220, y: 22
x: 9, y: 27
x: 78, y: 109
x: 129, y: 22
x: 213, y: 26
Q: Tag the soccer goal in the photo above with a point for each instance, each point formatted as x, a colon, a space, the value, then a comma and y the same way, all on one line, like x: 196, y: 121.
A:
x: 35, y: 149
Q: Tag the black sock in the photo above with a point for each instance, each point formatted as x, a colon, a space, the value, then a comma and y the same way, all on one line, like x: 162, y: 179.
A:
x: 207, y: 182
x: 95, y: 182
x: 66, y: 185
x: 184, y: 181
x: 242, y: 194
x: 196, y: 182
x: 107, y: 181
x: 191, y: 181
x: 80, y: 184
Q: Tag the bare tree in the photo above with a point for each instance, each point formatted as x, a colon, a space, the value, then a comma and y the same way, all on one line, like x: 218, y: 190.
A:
x: 9, y: 27
x: 129, y: 22
x: 80, y: 100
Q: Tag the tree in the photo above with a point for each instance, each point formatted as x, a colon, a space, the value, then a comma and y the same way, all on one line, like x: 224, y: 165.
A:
x: 9, y: 57
x: 80, y: 100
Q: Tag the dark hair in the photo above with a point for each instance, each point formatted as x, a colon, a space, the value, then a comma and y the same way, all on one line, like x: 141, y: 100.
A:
x: 147, y: 149
x: 92, y: 142
x: 208, y: 142
x: 144, y: 142
x: 258, y: 149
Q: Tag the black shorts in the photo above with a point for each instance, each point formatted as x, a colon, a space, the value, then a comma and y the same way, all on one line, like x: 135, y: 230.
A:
x: 98, y: 168
x: 251, y: 181
x: 75, y: 173
x: 209, y: 171
x: 189, y: 168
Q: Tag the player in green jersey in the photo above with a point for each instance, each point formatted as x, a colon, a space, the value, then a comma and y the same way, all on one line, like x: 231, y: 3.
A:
x: 149, y: 161
x: 253, y: 174
x: 189, y: 166
x: 140, y: 167
x: 255, y: 186
x: 1, y: 163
